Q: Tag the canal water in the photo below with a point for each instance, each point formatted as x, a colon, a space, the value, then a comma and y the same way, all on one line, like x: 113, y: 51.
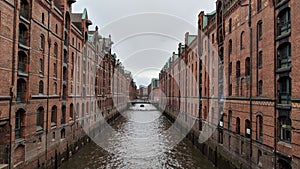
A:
x: 139, y: 143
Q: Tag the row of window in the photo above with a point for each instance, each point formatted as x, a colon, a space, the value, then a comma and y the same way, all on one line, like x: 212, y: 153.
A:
x: 20, y: 119
x: 284, y: 127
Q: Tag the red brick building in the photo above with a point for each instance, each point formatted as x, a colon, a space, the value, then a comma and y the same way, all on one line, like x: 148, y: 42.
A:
x: 249, y: 87
x: 56, y: 80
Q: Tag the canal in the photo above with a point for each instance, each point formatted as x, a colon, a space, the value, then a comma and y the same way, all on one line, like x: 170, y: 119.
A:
x: 140, y: 142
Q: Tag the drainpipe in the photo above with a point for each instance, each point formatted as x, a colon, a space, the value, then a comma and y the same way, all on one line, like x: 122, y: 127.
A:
x: 48, y: 87
x: 275, y: 92
x: 12, y: 82
x: 251, y: 78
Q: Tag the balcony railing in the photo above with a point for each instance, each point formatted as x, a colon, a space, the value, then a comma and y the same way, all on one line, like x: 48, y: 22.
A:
x: 284, y: 98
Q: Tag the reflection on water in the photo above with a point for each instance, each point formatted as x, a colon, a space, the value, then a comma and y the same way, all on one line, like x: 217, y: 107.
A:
x: 140, y: 142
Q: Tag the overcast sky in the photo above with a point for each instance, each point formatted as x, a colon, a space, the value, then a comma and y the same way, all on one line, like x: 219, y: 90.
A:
x: 145, y: 32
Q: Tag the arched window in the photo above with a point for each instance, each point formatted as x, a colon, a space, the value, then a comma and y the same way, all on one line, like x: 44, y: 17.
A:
x: 55, y: 49
x: 41, y: 87
x: 230, y: 25
x: 247, y: 67
x: 284, y: 22
x: 54, y: 116
x: 285, y: 88
x: 259, y: 5
x: 23, y: 34
x: 42, y: 42
x: 24, y: 9
x: 56, y: 28
x: 260, y: 87
x: 22, y: 62
x: 43, y: 18
x: 230, y: 120
x: 238, y: 125
x: 259, y: 30
x: 63, y: 115
x: 40, y: 119
x: 229, y: 47
x: 285, y: 128
x: 21, y: 90
x: 41, y: 66
x: 54, y: 70
x: 242, y: 40
x: 55, y: 88
x: 259, y: 154
x: 247, y: 128
x: 71, y: 111
x: 259, y: 127
x: 284, y: 164
x: 284, y: 55
x: 260, y: 59
x: 238, y: 69
x: 63, y: 133
x: 19, y: 123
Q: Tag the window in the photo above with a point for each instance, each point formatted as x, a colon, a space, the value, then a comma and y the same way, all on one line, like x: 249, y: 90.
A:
x: 230, y: 90
x: 230, y: 68
x: 285, y: 90
x: 247, y: 67
x: 71, y: 112
x: 247, y: 128
x: 55, y: 49
x: 55, y: 88
x: 230, y: 25
x: 259, y: 155
x: 22, y: 61
x: 23, y: 34
x: 230, y: 120
x: 260, y: 85
x: 259, y: 30
x: 259, y: 5
x: 259, y: 127
x: 41, y: 87
x: 21, y: 90
x: 41, y: 66
x: 284, y: 23
x: 284, y: 55
x: 54, y: 116
x: 260, y: 59
x: 238, y: 69
x: 54, y: 70
x: 42, y: 42
x: 238, y: 125
x: 285, y: 129
x: 229, y: 47
x: 40, y: 119
x: 19, y: 124
x: 63, y: 133
x: 43, y: 18
x: 56, y: 28
x: 242, y: 40
x: 63, y: 115
x: 24, y: 9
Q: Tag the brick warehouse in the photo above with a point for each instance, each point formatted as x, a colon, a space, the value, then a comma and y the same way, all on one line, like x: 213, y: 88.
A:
x: 253, y: 83
x: 56, y: 78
